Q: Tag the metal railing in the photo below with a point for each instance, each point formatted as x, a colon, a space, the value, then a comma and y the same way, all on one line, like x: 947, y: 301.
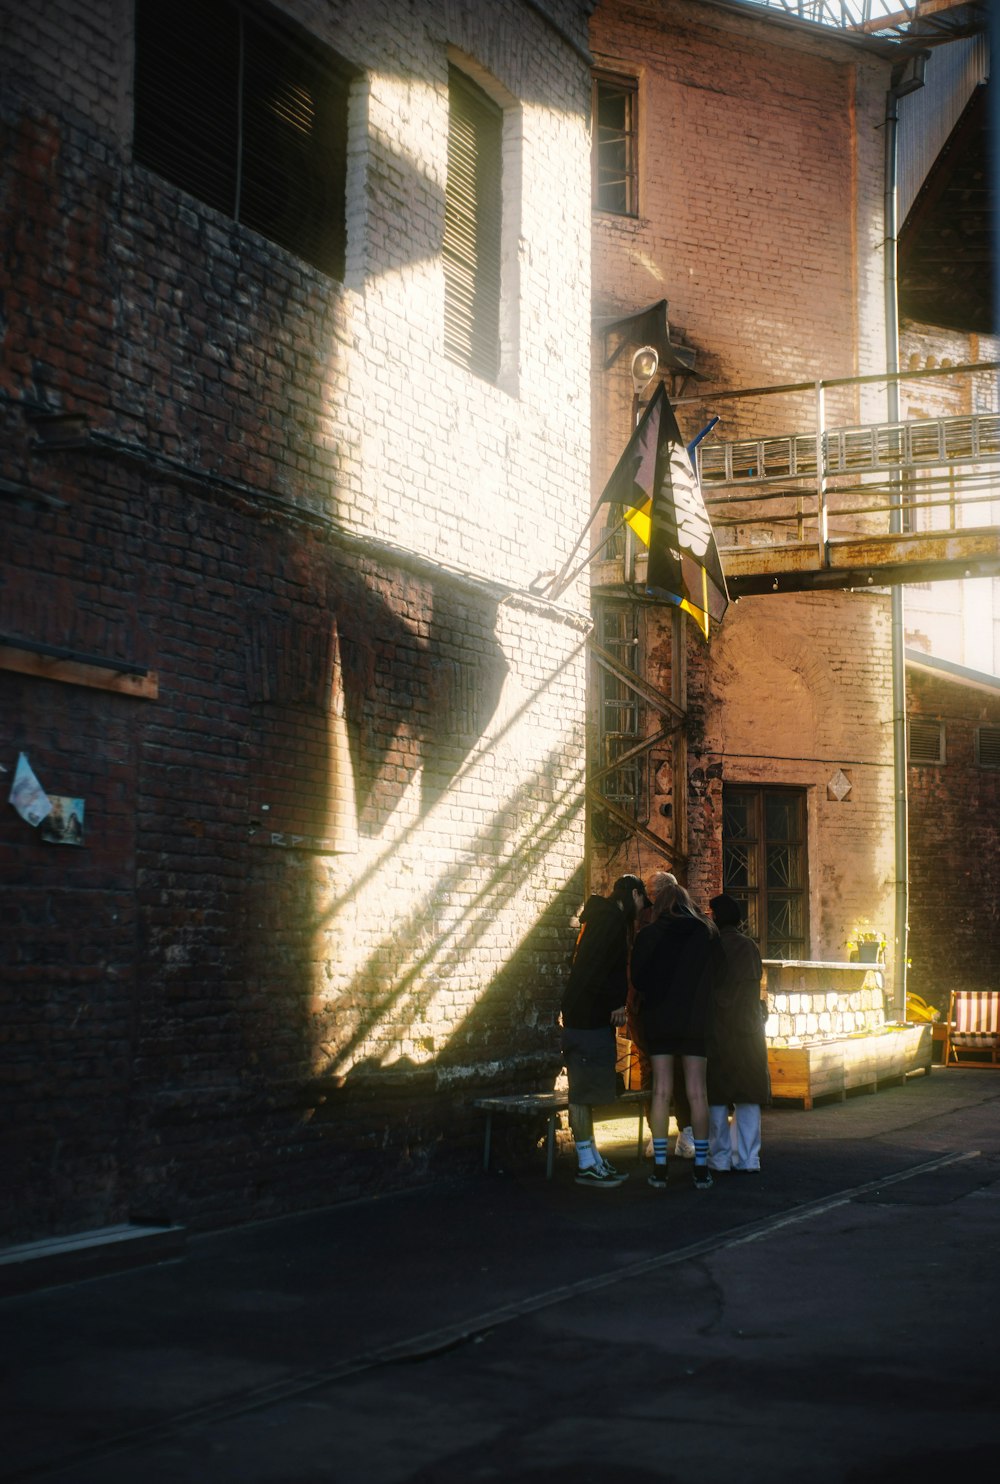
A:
x: 849, y: 479
x: 868, y: 448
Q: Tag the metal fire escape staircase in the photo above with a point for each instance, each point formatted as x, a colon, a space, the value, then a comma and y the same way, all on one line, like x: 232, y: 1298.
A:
x: 631, y: 756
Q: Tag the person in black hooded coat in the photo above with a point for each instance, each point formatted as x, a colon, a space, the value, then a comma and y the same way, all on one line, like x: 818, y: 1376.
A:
x: 737, y: 1055
x: 677, y: 967
x: 593, y: 1006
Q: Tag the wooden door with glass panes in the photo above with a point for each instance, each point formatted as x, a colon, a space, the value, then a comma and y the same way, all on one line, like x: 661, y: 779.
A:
x: 764, y: 865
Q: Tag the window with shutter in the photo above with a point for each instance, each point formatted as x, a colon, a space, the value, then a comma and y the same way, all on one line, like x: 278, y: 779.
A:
x: 988, y: 747
x: 250, y: 116
x: 926, y: 741
x: 615, y: 144
x: 472, y: 228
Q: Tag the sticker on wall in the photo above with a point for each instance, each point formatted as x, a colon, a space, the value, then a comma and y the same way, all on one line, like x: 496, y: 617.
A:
x: 64, y: 826
x: 27, y: 795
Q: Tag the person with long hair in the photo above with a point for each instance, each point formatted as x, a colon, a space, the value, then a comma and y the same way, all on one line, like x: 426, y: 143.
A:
x: 677, y: 966
x: 684, y: 1145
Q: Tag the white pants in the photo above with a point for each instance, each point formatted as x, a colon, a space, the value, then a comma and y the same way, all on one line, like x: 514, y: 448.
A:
x: 735, y: 1145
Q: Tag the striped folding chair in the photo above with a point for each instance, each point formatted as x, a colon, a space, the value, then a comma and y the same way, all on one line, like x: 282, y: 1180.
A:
x: 973, y: 1028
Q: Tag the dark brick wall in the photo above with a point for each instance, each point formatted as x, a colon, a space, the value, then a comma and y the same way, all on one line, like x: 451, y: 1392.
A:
x: 217, y: 1008
x: 954, y: 844
x: 165, y: 1049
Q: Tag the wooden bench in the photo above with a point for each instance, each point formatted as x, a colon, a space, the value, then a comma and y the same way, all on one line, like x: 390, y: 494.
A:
x: 551, y: 1104
x: 972, y: 1031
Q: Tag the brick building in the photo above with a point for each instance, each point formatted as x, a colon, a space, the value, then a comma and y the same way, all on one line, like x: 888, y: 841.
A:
x: 756, y: 211
x: 294, y: 385
x: 296, y: 392
x: 954, y: 803
x: 947, y: 207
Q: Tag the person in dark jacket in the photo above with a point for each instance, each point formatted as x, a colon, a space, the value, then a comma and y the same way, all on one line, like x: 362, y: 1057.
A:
x: 737, y: 1058
x: 677, y: 962
x: 684, y: 1144
x: 593, y: 1005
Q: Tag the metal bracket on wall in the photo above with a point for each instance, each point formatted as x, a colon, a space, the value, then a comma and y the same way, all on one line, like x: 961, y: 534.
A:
x: 48, y: 662
x: 24, y: 494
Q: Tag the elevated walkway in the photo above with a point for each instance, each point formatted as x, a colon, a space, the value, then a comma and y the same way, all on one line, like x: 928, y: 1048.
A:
x: 861, y: 561
x: 813, y: 511
x: 875, y: 448
x: 874, y: 504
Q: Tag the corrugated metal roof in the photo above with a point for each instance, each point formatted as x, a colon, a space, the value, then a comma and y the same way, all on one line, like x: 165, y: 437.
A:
x: 927, y: 117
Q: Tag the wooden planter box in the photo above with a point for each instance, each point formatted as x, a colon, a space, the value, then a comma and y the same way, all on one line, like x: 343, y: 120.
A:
x: 823, y: 1069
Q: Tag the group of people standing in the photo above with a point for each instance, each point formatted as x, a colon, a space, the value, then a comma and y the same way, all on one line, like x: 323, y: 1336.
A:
x: 687, y: 986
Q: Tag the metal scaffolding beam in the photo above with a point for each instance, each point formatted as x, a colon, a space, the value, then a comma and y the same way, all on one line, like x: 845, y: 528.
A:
x: 926, y: 22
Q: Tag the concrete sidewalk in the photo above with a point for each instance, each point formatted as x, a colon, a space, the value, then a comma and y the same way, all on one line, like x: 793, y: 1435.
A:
x: 834, y: 1314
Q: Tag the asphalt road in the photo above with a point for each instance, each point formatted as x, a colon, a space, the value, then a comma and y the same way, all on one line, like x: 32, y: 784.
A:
x: 833, y: 1318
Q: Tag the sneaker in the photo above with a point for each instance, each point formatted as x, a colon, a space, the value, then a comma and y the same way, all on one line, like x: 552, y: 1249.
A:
x: 659, y: 1179
x: 610, y: 1169
x: 684, y: 1147
x: 596, y: 1175
x: 701, y: 1177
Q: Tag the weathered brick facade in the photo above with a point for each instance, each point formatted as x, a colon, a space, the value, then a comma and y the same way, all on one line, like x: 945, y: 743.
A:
x: 954, y: 805
x: 330, y: 746
x: 954, y: 852
x: 760, y: 221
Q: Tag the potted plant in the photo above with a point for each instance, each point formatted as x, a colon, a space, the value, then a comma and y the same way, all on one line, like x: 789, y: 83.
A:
x: 866, y: 945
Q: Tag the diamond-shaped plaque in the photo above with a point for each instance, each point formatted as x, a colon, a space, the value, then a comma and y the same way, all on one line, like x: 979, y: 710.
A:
x: 839, y: 786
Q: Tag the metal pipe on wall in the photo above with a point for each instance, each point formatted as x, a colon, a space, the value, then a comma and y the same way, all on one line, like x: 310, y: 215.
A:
x: 898, y: 640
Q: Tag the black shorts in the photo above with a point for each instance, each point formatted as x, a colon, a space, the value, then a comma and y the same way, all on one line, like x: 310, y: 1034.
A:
x: 590, y: 1058
x: 668, y: 1045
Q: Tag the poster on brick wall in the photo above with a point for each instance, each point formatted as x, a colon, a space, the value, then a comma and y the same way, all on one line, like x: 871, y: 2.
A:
x: 27, y: 795
x: 64, y: 826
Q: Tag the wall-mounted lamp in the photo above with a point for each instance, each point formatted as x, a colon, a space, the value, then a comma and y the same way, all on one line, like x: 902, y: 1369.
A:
x: 645, y: 363
x: 908, y: 75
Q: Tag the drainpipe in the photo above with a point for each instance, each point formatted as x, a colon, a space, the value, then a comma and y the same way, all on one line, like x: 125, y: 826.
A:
x: 901, y: 84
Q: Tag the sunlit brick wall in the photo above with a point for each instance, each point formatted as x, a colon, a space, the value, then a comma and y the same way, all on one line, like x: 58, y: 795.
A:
x: 760, y: 197
x: 760, y: 210
x: 329, y: 869
x: 800, y: 693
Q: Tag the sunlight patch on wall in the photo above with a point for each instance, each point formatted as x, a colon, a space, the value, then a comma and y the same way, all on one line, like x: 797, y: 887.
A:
x: 416, y: 928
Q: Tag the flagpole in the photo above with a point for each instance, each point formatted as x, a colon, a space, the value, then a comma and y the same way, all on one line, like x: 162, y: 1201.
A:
x: 561, y: 583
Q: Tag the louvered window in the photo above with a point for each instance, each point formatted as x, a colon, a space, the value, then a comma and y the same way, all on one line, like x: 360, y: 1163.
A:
x: 615, y: 144
x: 927, y: 742
x: 472, y: 228
x: 248, y: 115
x: 988, y: 747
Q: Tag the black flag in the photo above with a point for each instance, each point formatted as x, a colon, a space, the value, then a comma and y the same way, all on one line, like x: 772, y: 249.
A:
x: 656, y: 483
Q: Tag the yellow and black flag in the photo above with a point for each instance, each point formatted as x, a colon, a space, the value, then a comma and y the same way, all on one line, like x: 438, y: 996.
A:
x: 655, y: 483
